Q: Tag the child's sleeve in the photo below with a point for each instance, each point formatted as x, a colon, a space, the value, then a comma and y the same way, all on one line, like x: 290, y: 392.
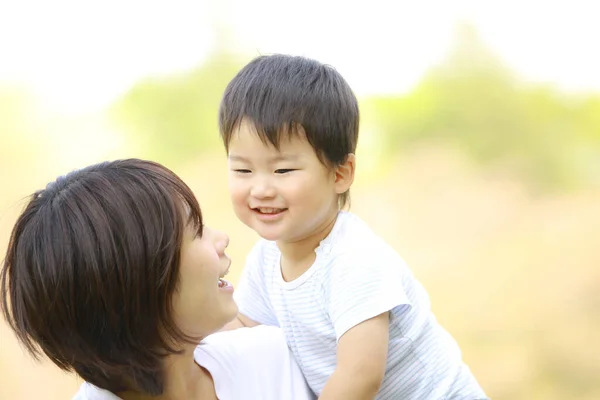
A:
x: 251, y: 294
x: 363, y: 287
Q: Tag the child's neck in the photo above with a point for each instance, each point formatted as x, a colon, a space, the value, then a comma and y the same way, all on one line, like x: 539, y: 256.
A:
x: 298, y: 256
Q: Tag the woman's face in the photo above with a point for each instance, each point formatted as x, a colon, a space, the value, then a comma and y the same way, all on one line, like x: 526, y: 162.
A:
x: 203, y: 302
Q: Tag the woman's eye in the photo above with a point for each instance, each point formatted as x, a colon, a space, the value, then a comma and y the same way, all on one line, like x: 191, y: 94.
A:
x: 283, y: 170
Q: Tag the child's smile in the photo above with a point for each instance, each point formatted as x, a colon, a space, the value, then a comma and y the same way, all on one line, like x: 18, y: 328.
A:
x: 284, y: 194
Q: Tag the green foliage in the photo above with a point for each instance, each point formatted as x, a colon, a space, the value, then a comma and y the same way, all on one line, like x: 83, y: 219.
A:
x: 174, y: 119
x: 472, y: 101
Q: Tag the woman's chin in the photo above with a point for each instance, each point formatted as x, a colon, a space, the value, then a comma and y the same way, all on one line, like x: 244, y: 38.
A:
x: 232, y: 313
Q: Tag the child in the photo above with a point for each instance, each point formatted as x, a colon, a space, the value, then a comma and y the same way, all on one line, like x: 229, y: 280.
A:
x: 356, y: 319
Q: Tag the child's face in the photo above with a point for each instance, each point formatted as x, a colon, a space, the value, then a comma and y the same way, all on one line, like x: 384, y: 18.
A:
x: 284, y: 195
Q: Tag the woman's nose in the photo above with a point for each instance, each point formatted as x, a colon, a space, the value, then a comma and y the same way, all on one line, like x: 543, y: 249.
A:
x: 222, y: 241
x: 225, y: 240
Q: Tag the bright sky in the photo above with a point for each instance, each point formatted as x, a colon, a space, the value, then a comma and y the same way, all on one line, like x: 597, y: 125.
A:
x: 80, y: 55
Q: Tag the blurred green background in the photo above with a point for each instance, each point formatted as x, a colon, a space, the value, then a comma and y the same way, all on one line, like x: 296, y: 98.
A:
x: 485, y: 179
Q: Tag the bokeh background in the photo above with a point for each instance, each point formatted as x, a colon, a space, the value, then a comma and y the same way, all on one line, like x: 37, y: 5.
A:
x: 478, y: 160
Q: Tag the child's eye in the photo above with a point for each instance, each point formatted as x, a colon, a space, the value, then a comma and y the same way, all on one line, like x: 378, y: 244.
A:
x: 283, y: 170
x: 242, y: 171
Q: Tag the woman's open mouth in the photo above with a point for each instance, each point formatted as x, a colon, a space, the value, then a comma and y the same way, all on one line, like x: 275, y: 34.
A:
x: 223, y: 283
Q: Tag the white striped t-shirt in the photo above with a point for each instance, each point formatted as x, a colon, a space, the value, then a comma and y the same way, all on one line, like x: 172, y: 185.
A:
x: 356, y: 276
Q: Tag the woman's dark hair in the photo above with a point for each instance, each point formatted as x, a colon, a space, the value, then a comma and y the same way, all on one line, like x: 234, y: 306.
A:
x: 91, y: 268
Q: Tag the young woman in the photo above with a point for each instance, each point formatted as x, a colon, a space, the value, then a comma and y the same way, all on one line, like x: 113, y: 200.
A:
x: 111, y: 273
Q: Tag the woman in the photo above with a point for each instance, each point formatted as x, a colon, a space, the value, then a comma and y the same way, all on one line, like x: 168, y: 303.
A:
x: 112, y: 274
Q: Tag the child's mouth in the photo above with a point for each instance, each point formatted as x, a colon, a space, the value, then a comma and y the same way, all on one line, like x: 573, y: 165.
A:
x: 269, y: 210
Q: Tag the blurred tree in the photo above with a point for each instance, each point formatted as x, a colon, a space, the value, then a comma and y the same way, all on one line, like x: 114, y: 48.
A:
x: 473, y: 101
x: 175, y: 118
x: 470, y: 100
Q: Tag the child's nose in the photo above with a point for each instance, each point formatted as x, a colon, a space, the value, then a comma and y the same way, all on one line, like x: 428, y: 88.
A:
x: 262, y: 188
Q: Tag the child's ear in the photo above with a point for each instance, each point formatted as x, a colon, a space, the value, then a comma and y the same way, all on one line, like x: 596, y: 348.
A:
x: 344, y: 174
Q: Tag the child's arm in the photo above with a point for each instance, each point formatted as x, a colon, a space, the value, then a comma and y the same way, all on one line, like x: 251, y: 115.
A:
x: 241, y: 321
x: 361, y: 361
x: 364, y: 287
x: 251, y: 295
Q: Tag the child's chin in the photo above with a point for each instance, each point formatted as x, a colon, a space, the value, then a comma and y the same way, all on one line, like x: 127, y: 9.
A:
x: 269, y: 236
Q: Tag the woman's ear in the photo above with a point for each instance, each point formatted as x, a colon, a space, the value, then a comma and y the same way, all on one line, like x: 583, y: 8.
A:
x: 344, y: 174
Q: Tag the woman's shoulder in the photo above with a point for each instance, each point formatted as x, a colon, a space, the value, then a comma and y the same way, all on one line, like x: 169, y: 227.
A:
x: 243, y: 344
x: 253, y: 362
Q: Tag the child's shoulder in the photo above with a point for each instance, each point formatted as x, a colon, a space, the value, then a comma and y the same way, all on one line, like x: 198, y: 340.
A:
x: 354, y: 234
x: 353, y: 240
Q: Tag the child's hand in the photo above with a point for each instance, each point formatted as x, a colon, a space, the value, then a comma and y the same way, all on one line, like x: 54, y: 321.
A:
x: 241, y: 321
